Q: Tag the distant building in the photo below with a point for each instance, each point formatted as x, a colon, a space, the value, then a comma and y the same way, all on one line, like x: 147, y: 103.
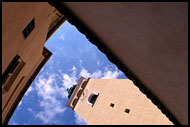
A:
x: 113, y: 101
x: 26, y: 26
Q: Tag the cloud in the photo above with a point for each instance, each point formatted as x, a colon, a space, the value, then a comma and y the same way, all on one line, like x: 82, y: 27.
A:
x: 98, y: 62
x: 80, y: 63
x: 111, y: 74
x: 79, y: 120
x: 74, y: 69
x: 105, y: 74
x: 86, y: 74
x: 30, y: 110
x: 68, y: 81
x: 62, y: 37
x: 50, y: 102
x: 51, y: 94
x: 30, y: 89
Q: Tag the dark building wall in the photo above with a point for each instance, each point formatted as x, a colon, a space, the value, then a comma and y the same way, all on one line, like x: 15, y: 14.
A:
x: 149, y: 39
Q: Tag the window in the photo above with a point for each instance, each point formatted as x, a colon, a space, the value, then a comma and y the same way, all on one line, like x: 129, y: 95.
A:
x: 28, y: 29
x: 92, y: 98
x: 79, y: 93
x: 84, y: 84
x: 127, y: 111
x: 11, y: 73
x: 74, y: 102
x: 112, y: 105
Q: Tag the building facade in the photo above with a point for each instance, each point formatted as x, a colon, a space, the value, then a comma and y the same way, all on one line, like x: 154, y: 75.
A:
x: 26, y: 26
x: 147, y: 41
x: 115, y: 102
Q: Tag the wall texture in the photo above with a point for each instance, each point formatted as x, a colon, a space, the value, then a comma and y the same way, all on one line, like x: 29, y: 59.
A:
x: 124, y: 95
x: 15, y: 17
x: 149, y: 40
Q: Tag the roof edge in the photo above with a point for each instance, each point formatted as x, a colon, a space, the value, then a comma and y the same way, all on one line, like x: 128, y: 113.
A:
x: 94, y: 39
x: 47, y: 54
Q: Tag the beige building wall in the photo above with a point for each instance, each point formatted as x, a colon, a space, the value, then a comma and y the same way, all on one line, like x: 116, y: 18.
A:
x: 15, y: 17
x: 124, y: 95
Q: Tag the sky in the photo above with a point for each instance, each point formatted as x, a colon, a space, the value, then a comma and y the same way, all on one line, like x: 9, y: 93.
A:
x: 74, y: 56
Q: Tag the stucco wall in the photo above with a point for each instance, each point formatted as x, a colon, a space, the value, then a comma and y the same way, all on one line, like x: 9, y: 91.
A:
x: 124, y: 95
x: 15, y: 17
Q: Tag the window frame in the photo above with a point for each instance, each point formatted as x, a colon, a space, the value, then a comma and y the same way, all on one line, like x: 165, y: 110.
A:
x: 90, y: 96
x: 127, y: 110
x: 11, y: 73
x: 28, y: 29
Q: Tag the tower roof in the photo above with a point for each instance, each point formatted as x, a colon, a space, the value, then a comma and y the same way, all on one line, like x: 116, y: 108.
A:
x: 70, y: 90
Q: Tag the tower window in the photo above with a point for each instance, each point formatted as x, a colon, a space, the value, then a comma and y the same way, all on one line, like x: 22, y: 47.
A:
x: 28, y: 29
x: 127, y: 111
x: 112, y: 105
x: 79, y: 93
x: 74, y: 102
x: 92, y: 98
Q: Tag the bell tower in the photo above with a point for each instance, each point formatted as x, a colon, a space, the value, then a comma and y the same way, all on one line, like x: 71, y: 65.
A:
x: 113, y: 101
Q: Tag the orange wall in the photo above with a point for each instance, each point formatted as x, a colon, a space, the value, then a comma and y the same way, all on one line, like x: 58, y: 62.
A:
x: 15, y: 17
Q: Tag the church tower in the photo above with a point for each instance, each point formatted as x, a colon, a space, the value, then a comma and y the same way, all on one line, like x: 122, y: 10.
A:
x: 113, y: 101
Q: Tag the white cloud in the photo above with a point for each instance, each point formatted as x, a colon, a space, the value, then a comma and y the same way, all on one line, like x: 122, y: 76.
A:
x: 80, y: 63
x: 111, y: 74
x: 68, y: 81
x: 73, y: 68
x: 30, y: 110
x: 106, y: 74
x: 98, y: 62
x: 62, y: 37
x: 85, y: 73
x: 97, y: 74
x: 48, y: 91
x: 30, y: 89
x: 50, y: 94
x: 79, y: 120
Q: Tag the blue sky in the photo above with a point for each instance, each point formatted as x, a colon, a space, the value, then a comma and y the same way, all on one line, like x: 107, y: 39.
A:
x: 73, y: 56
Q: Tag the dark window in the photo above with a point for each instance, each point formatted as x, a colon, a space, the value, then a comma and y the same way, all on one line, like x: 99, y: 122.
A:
x: 11, y: 68
x: 28, y: 29
x: 127, y: 110
x: 74, y: 102
x: 92, y: 98
x: 79, y: 93
x: 11, y: 73
x: 112, y: 105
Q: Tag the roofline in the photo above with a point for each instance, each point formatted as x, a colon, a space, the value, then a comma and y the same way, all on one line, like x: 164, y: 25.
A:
x: 94, y: 39
x: 82, y: 82
x: 58, y: 24
x: 47, y: 54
